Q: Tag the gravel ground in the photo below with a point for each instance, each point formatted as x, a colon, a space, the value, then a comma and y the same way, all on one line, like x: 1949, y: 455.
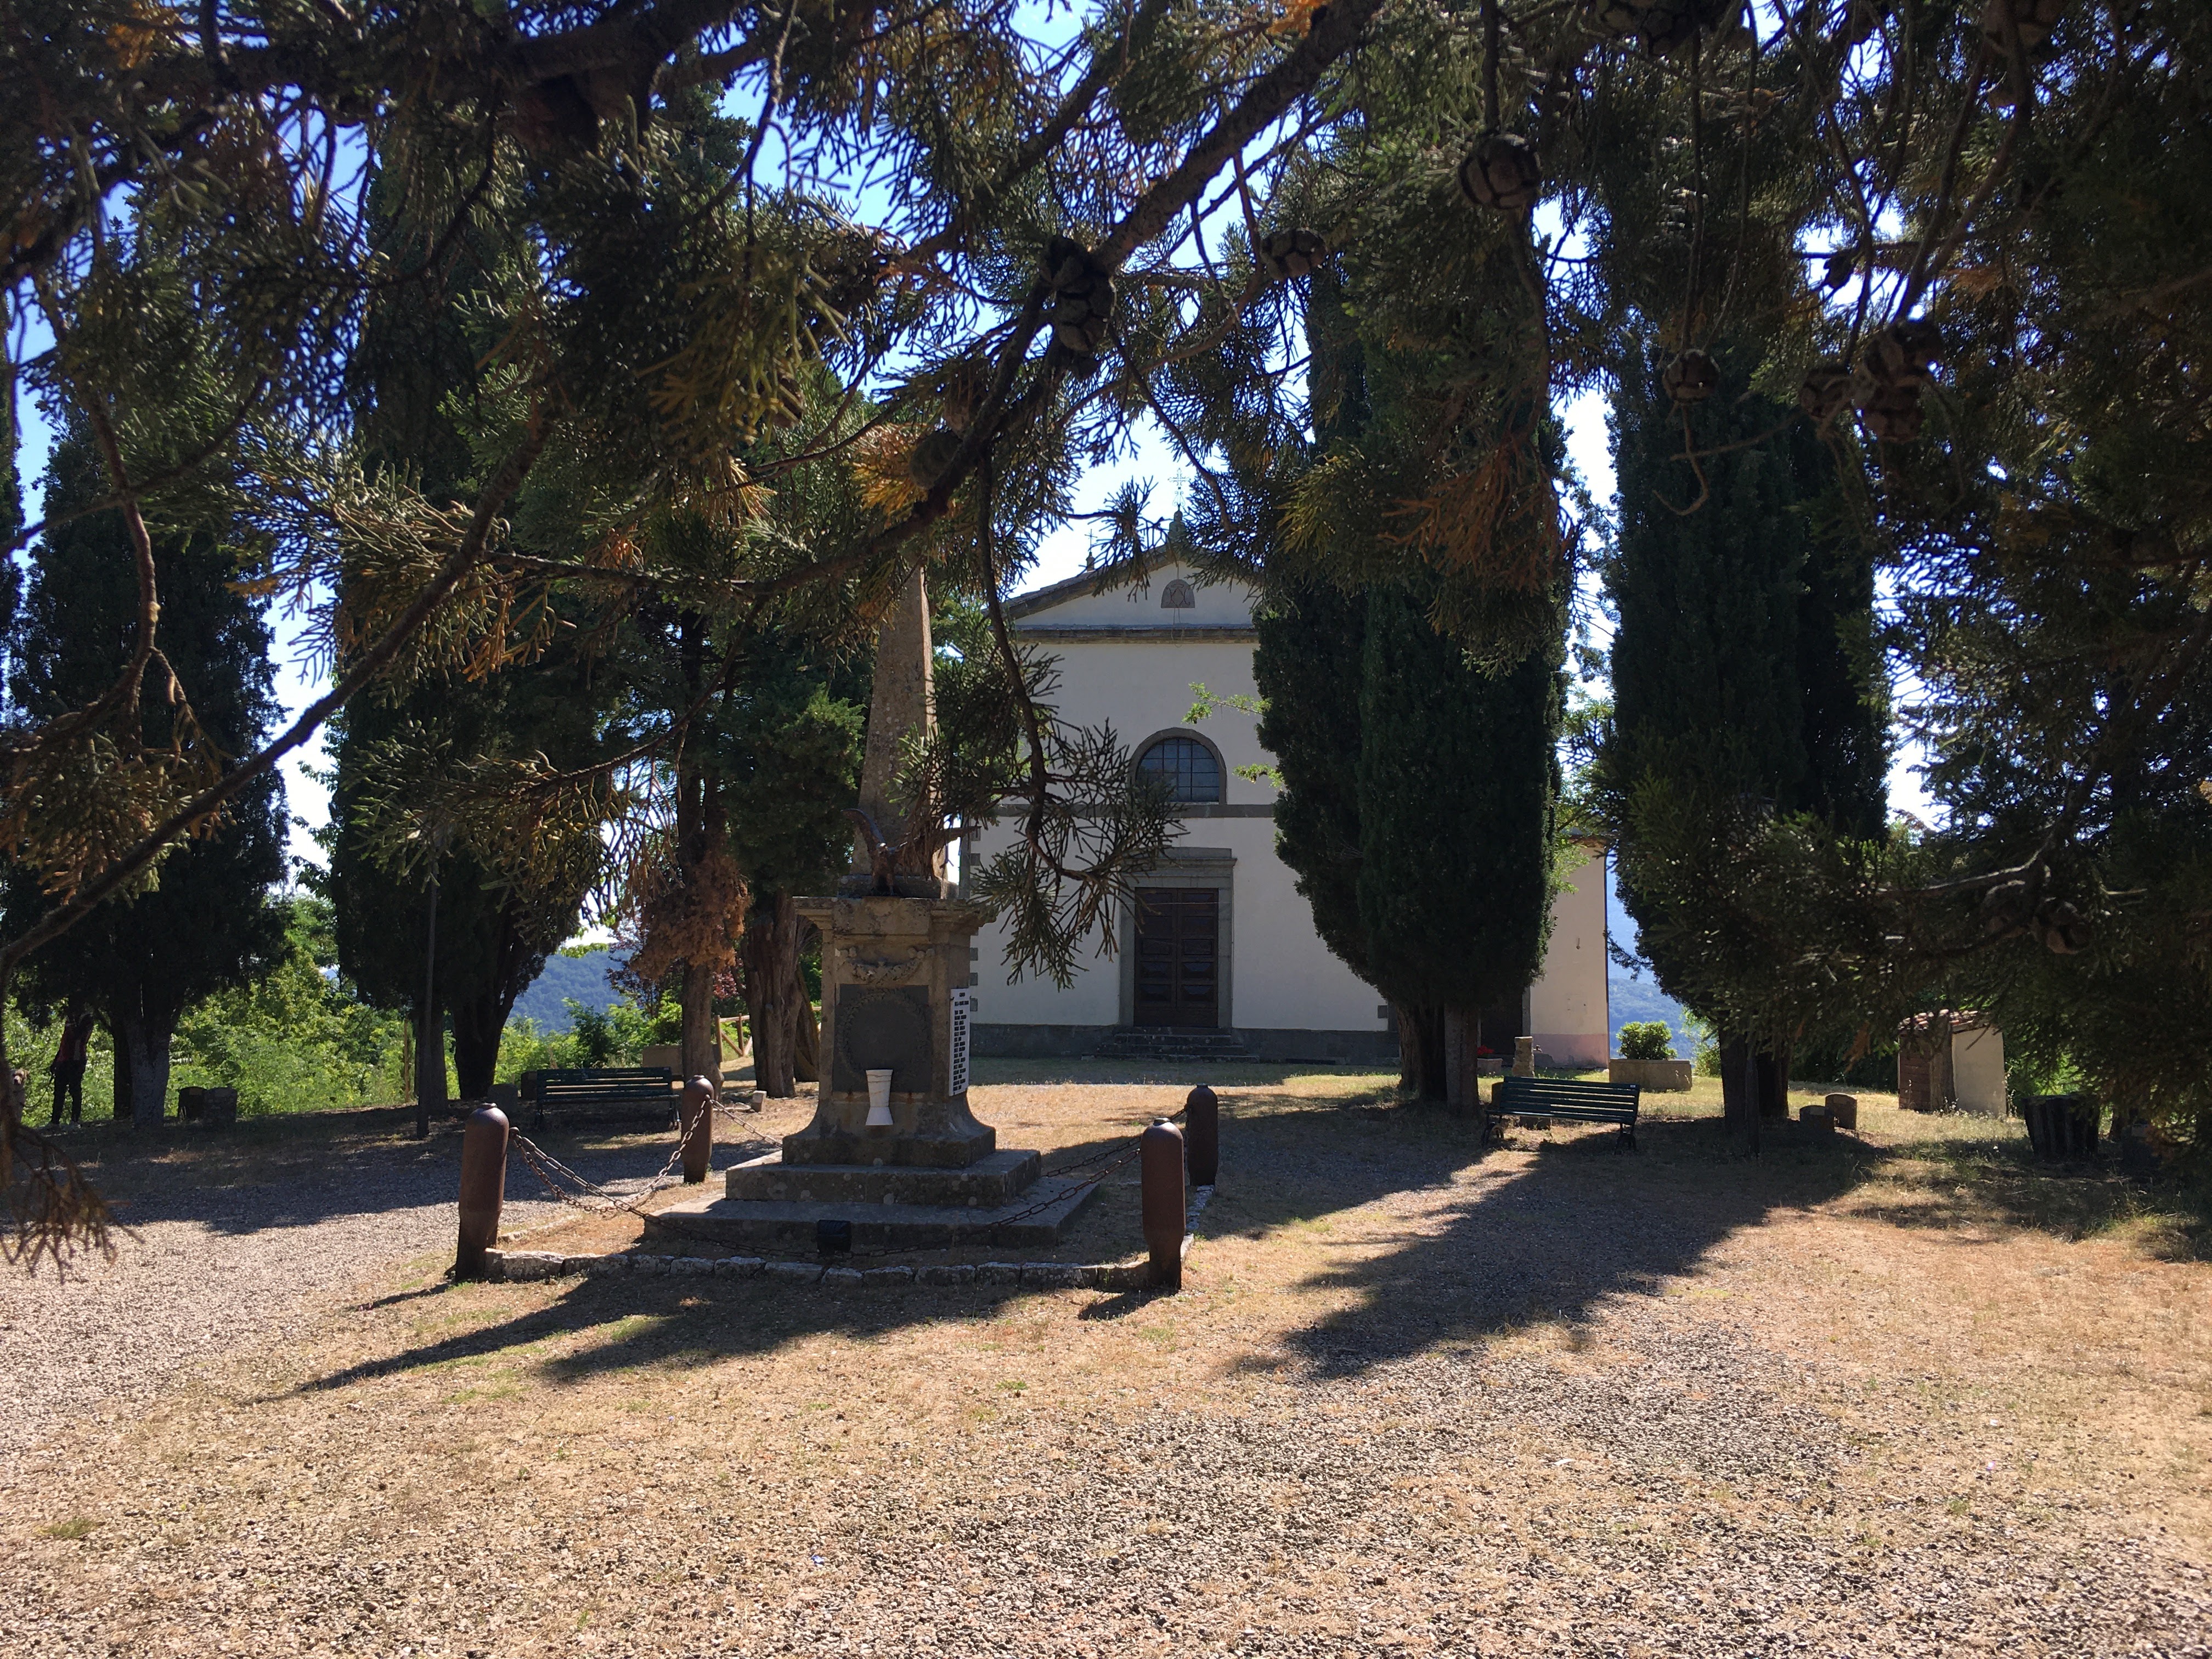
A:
x: 203, y: 1269
x: 1412, y: 1401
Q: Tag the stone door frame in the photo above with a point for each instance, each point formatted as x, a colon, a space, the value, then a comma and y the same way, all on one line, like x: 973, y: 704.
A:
x: 1187, y: 867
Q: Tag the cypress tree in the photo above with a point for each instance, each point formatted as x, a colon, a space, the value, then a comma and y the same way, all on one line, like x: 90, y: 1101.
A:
x: 1457, y: 778
x: 1418, y: 785
x: 416, y: 371
x: 208, y: 923
x: 1743, y: 673
x: 1308, y: 664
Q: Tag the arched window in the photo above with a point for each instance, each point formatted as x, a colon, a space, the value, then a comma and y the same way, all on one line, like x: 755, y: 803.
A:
x: 1177, y: 596
x: 1186, y: 766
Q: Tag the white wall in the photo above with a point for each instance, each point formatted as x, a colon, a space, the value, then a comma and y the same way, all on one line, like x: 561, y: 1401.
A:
x: 1978, y: 1070
x: 1278, y: 975
x: 1567, y: 1010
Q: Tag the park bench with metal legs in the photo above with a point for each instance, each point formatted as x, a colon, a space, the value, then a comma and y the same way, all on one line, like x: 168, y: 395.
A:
x: 1566, y: 1100
x: 599, y: 1092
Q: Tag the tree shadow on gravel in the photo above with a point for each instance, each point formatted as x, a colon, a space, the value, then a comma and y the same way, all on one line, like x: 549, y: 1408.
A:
x: 1585, y: 1223
x: 298, y: 1172
x: 665, y: 1319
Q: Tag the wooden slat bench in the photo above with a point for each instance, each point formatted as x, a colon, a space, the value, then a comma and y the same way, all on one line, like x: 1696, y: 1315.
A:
x: 1566, y: 1100
x: 600, y: 1092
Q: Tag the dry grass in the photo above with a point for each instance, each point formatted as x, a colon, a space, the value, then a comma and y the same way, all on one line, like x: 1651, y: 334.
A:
x: 1882, y: 1395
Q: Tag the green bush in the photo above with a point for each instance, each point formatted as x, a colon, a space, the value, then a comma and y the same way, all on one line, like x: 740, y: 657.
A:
x: 297, y: 1040
x: 1646, y: 1039
x: 1705, y: 1047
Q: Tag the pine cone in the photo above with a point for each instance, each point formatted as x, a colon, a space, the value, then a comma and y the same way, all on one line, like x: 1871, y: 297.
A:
x: 2063, y: 929
x: 1860, y: 19
x: 1615, y: 19
x: 932, y: 453
x: 1289, y: 254
x: 2033, y: 20
x: 2006, y: 908
x: 1891, y: 412
x: 1501, y: 173
x: 1083, y: 297
x: 1691, y: 378
x: 1902, y: 354
x: 1824, y: 390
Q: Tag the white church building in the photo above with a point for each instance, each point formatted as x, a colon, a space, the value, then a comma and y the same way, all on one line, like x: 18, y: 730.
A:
x: 1220, y: 938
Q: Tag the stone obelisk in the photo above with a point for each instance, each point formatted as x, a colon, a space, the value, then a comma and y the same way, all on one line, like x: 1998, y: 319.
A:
x: 899, y: 707
x: 895, y: 997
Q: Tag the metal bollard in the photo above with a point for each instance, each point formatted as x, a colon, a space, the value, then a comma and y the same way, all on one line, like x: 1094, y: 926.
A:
x: 696, y: 1112
x: 483, y: 1186
x: 1201, y: 1130
x: 1166, y: 1203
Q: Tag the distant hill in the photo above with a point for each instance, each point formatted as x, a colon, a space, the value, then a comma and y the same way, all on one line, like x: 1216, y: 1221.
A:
x: 584, y: 978
x: 1640, y: 998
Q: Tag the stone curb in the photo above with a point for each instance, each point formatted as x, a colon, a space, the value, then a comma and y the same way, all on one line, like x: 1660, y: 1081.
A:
x: 522, y: 1267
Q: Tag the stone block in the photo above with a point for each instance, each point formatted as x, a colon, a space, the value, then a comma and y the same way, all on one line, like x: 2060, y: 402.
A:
x: 615, y: 1262
x: 946, y: 1273
x: 793, y: 1273
x: 518, y: 1266
x: 879, y: 1277
x: 999, y: 1273
x: 738, y: 1267
x: 1052, y: 1275
x: 692, y: 1265
x: 842, y: 1279
x: 649, y: 1264
x: 1845, y: 1108
x: 573, y: 1265
x: 1817, y: 1119
x: 1661, y: 1076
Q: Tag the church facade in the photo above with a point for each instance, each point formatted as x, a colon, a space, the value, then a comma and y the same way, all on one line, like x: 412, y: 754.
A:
x: 1220, y: 939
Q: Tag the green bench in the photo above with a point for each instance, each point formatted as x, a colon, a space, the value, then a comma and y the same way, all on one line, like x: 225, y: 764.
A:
x: 1566, y: 1100
x: 584, y: 1093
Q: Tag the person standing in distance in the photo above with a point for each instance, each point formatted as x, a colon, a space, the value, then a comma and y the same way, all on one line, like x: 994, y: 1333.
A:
x: 67, y: 1065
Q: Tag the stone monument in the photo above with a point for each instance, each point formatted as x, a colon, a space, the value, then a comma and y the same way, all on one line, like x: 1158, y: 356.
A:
x: 909, y: 1165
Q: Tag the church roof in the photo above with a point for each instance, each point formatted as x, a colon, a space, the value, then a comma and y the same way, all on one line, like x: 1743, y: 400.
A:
x: 1171, y: 602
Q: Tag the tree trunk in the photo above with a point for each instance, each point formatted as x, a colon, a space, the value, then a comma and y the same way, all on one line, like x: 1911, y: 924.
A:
x: 702, y: 1036
x: 478, y: 1025
x: 142, y: 1050
x: 773, y: 993
x: 122, y: 1072
x: 429, y: 1058
x: 1421, y: 1070
x: 806, y: 1046
x: 1462, y: 1026
x: 1774, y: 1083
x: 1741, y: 1091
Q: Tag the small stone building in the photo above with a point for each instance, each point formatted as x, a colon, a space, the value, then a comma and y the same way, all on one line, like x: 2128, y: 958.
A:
x: 1222, y: 941
x: 1951, y: 1060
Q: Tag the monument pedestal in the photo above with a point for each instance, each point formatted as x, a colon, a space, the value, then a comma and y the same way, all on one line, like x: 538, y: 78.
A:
x: 894, y: 998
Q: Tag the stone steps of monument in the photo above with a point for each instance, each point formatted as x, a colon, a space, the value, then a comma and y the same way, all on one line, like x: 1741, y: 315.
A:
x: 1168, y: 1044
